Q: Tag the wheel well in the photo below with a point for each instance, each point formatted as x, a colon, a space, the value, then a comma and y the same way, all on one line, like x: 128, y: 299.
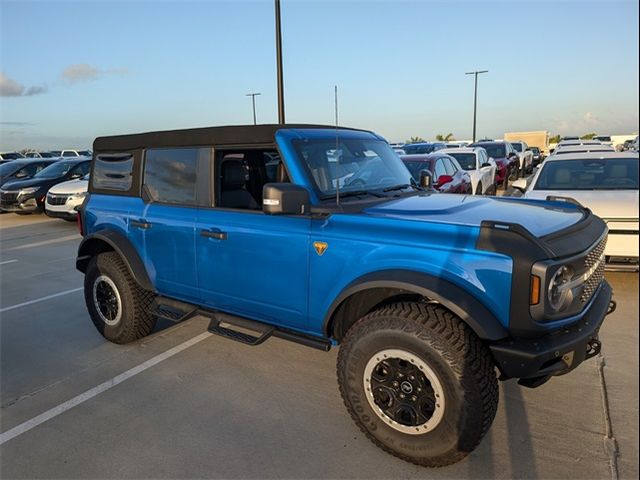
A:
x: 90, y: 249
x: 361, y: 303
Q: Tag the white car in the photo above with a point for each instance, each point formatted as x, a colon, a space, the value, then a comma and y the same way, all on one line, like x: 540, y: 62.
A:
x: 606, y: 183
x: 479, y: 165
x: 525, y: 156
x: 583, y: 149
x: 573, y: 143
x: 63, y: 198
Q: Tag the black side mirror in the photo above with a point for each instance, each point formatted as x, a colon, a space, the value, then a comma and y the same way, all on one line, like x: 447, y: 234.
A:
x: 425, y: 179
x: 284, y: 199
x: 485, y: 164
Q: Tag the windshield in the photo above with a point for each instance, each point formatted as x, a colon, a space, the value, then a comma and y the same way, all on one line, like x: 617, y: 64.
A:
x: 47, y: 155
x: 55, y: 170
x: 535, y: 150
x: 466, y: 160
x: 10, y: 167
x: 419, y: 149
x: 417, y: 166
x: 517, y: 147
x: 56, y: 153
x: 355, y: 166
x: 597, y: 174
x: 603, y: 139
x: 495, y: 151
x: 84, y: 153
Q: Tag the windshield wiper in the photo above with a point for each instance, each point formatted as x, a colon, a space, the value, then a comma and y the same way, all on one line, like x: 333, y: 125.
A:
x: 359, y: 193
x: 413, y: 185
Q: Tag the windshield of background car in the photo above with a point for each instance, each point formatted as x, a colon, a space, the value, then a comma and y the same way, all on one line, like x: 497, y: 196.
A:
x: 466, y: 160
x: 495, y: 151
x: 417, y: 166
x: 517, y: 147
x: 47, y: 155
x: 55, y: 170
x: 419, y: 149
x: 590, y: 174
x: 11, y: 156
x: 10, y: 167
x: 355, y: 165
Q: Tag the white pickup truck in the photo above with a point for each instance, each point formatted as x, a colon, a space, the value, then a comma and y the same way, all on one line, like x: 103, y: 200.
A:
x: 525, y: 156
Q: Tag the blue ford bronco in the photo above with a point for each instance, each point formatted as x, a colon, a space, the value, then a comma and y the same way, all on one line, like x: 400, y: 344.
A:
x: 320, y: 236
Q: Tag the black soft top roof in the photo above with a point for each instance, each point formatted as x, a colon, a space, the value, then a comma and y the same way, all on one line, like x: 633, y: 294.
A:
x: 226, y: 135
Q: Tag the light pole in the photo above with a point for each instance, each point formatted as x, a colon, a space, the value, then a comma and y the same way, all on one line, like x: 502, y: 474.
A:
x: 279, y: 65
x: 475, y: 98
x: 253, y: 102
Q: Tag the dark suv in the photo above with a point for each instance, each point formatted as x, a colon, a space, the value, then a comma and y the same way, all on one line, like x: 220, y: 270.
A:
x: 24, y: 196
x: 262, y: 230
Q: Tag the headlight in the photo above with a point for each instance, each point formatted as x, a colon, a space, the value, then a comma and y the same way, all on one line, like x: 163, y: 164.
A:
x: 77, y: 196
x: 27, y: 191
x: 559, y: 293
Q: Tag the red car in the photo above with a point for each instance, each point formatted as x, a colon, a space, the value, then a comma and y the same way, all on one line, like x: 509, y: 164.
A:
x: 506, y: 159
x: 447, y: 174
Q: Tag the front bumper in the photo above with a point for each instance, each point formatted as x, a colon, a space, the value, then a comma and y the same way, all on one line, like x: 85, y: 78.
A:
x: 558, y: 352
x: 21, y: 204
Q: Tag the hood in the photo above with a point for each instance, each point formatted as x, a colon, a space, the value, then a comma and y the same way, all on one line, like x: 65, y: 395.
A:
x: 606, y: 205
x: 30, y: 182
x: 540, y: 218
x: 72, y: 186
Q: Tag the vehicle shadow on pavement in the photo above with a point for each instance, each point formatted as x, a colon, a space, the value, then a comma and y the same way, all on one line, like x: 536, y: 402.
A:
x: 490, y: 459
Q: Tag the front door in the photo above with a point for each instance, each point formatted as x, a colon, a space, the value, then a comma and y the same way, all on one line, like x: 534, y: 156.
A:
x: 249, y: 263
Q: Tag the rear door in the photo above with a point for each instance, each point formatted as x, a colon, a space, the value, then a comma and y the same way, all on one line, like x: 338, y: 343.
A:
x: 166, y: 218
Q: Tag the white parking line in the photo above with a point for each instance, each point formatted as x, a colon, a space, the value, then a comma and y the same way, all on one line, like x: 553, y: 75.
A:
x: 103, y: 387
x: 45, y: 242
x: 41, y: 299
x: 8, y: 261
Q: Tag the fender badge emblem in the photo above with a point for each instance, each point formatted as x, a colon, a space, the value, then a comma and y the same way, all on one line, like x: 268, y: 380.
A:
x: 320, y: 247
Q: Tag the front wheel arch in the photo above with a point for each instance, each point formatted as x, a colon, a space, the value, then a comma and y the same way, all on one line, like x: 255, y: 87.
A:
x: 382, y: 288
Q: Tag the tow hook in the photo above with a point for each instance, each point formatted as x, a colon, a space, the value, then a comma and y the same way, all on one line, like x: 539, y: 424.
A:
x: 612, y: 307
x: 593, y: 348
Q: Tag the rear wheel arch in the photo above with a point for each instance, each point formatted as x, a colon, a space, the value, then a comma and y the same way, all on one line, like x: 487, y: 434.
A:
x: 376, y: 290
x: 114, y: 241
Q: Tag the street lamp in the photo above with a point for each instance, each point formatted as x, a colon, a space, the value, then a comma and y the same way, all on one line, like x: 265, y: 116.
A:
x: 253, y: 102
x: 475, y: 97
x: 279, y: 65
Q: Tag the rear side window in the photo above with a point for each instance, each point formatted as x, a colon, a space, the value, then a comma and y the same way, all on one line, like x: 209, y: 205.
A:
x: 113, y: 171
x: 170, y: 174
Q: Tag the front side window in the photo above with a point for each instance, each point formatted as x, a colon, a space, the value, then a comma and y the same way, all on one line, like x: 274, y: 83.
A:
x: 517, y: 147
x: 607, y: 174
x: 170, y: 174
x: 353, y: 165
x: 113, y: 171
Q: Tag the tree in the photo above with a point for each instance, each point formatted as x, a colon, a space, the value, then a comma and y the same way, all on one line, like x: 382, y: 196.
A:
x: 445, y: 138
x: 587, y: 136
x: 555, y: 139
x: 415, y: 140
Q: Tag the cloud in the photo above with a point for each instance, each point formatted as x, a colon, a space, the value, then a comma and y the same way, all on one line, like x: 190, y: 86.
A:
x: 11, y: 88
x: 83, y: 72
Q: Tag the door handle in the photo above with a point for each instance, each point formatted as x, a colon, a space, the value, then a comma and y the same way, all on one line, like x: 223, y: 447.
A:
x: 140, y: 224
x: 216, y: 234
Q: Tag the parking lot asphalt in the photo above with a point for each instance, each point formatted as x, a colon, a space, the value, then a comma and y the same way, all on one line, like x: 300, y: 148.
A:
x: 182, y: 404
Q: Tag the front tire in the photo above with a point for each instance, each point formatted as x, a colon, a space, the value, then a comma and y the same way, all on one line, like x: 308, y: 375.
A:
x: 418, y: 382
x: 118, y: 306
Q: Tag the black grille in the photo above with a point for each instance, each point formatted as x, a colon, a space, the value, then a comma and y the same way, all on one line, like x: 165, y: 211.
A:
x: 591, y: 261
x: 8, y: 198
x: 57, y: 199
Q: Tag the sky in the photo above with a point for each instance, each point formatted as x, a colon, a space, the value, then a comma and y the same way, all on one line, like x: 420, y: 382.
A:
x: 71, y: 71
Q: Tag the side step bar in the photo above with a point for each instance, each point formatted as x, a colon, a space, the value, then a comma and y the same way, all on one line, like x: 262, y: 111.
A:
x: 233, y: 327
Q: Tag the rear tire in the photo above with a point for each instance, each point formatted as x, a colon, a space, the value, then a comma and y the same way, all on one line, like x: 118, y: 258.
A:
x: 458, y: 397
x: 118, y: 306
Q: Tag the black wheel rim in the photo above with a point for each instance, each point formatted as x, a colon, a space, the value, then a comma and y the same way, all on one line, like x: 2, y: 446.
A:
x: 402, y: 392
x: 107, y: 300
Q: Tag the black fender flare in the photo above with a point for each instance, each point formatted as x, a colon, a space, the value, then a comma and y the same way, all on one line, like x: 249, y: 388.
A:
x: 95, y: 243
x: 456, y: 299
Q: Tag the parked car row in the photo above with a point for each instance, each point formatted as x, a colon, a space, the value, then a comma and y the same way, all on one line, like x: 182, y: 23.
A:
x: 8, y: 156
x: 47, y: 185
